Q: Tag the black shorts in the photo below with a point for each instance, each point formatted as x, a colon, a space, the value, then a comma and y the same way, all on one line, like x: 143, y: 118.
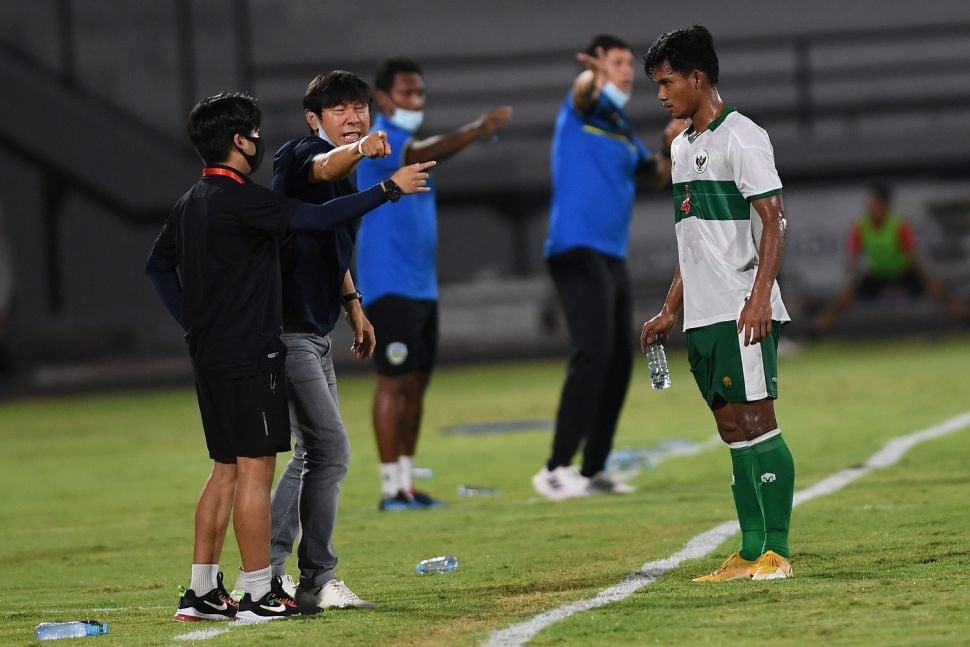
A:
x: 872, y: 287
x: 407, y: 335
x: 244, y: 412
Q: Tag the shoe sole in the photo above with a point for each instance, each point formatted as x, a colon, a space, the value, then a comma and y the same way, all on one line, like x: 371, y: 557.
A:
x: 247, y: 617
x: 736, y: 578
x: 196, y: 616
x: 777, y: 575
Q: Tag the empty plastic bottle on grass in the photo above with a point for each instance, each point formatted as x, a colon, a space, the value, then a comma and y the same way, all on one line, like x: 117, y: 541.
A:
x: 477, y: 490
x: 657, y: 365
x: 443, y: 564
x: 75, y: 629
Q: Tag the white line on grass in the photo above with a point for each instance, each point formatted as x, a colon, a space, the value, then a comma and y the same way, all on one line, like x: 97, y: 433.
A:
x: 687, y: 449
x: 201, y: 634
x: 88, y: 610
x: 705, y: 543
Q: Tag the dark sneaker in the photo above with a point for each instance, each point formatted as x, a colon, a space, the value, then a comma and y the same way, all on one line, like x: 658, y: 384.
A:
x: 424, y: 499
x: 398, y: 502
x: 603, y: 483
x: 214, y: 605
x: 275, y: 605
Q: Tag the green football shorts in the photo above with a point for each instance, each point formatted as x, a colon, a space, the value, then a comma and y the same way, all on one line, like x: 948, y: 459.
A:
x: 723, y: 366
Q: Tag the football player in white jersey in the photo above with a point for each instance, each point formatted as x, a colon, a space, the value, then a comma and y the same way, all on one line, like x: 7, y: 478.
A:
x: 730, y: 225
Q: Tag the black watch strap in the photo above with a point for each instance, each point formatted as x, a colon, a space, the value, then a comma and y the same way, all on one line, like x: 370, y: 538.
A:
x: 352, y: 296
x: 391, y: 190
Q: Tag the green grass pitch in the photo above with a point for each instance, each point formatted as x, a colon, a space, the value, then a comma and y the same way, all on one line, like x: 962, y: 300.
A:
x: 98, y: 494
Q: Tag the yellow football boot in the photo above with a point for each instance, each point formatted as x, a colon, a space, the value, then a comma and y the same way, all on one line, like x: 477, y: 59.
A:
x: 734, y: 567
x: 772, y: 566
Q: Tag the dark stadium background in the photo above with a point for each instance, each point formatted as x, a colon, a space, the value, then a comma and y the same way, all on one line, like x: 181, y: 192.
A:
x: 93, y: 150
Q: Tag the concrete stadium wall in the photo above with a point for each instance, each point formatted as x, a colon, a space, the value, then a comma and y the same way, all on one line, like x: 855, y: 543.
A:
x: 129, y: 53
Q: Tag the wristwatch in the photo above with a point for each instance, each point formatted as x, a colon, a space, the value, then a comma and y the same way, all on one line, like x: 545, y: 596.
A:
x: 352, y: 296
x: 391, y: 190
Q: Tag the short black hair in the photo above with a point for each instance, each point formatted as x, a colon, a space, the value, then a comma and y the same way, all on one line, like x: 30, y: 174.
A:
x: 387, y: 70
x: 607, y: 42
x: 334, y: 88
x: 881, y: 191
x: 687, y: 49
x: 214, y: 120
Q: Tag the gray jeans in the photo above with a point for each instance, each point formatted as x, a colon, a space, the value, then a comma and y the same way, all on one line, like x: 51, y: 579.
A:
x: 306, y: 495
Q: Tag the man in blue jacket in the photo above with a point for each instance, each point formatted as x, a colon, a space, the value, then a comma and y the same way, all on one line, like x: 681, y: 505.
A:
x: 597, y: 160
x: 317, y: 284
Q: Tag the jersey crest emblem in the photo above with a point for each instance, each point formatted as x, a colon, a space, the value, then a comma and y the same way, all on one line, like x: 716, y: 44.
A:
x: 700, y: 161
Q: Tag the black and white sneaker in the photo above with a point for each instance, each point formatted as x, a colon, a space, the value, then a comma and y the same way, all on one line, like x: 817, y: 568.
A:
x: 560, y: 484
x: 603, y: 483
x: 214, y: 605
x: 275, y: 605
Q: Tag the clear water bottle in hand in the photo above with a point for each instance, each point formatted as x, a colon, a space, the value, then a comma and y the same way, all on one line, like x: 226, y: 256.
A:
x: 657, y: 365
x: 75, y: 629
x: 443, y: 564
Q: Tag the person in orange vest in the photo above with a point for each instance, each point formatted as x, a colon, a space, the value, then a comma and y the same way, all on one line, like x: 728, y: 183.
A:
x: 883, y: 260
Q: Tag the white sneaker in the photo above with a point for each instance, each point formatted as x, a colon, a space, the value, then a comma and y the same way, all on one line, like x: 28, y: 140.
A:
x: 603, y: 483
x: 560, y: 484
x: 289, y: 585
x: 334, y: 595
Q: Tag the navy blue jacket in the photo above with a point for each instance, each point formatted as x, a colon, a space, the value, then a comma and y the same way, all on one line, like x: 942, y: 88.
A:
x: 313, y: 263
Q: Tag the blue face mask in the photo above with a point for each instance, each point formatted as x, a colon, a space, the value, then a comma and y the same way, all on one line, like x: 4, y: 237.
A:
x: 409, y: 120
x: 615, y: 94
x: 323, y: 135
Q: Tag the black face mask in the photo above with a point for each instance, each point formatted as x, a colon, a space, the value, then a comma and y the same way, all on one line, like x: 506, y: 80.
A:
x: 257, y: 158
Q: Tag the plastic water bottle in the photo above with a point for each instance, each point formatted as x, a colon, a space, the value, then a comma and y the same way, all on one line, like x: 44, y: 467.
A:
x: 422, y: 473
x: 657, y: 365
x: 443, y: 564
x: 621, y: 460
x: 477, y: 490
x: 76, y: 629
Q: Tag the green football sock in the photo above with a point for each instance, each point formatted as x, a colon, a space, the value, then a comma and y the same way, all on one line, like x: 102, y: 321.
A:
x: 745, y: 490
x: 776, y: 476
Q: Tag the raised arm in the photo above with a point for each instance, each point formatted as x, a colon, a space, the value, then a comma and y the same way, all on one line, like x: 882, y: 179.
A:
x: 587, y: 86
x: 754, y: 322
x: 410, y: 179
x: 440, y: 147
x: 340, y: 162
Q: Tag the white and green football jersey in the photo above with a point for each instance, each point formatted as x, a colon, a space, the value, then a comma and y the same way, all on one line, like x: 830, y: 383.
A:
x: 716, y: 175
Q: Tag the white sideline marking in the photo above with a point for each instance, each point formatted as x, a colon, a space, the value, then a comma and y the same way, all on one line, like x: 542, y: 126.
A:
x: 201, y: 634
x: 89, y: 610
x: 706, y: 542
